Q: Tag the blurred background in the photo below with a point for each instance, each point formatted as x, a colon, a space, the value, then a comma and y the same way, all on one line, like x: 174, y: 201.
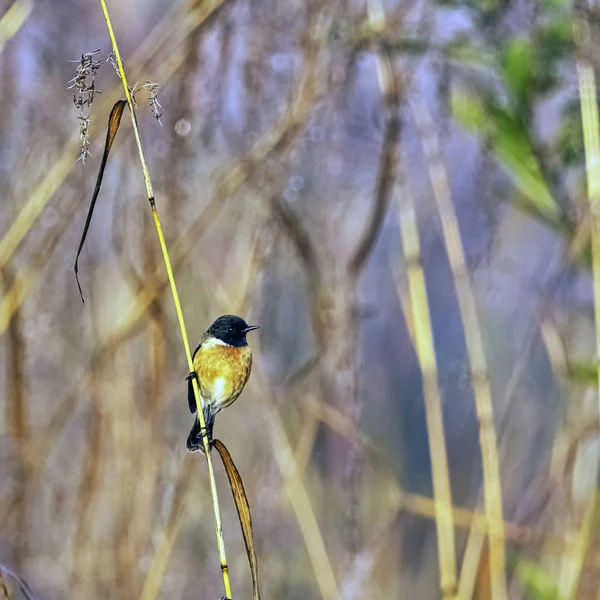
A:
x: 312, y: 158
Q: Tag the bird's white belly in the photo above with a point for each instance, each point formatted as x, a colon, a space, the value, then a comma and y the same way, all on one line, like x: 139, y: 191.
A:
x: 218, y: 390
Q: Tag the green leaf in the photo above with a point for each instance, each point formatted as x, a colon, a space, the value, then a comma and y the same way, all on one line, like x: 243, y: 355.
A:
x: 585, y: 373
x: 468, y: 109
x: 517, y: 64
x: 554, y: 39
x: 570, y: 138
x: 516, y: 155
x: 536, y: 581
x: 486, y: 6
x: 554, y: 6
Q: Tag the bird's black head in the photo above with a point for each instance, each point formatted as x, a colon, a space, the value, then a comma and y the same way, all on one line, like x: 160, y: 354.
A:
x: 231, y: 329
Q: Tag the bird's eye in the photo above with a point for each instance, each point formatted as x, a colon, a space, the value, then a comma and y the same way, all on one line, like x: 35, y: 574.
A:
x: 231, y: 329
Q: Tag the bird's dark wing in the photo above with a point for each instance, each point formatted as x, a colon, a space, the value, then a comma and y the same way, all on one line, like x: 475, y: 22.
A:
x: 191, y: 395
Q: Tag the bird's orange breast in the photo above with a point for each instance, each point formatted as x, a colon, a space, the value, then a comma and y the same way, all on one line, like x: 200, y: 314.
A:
x: 222, y: 372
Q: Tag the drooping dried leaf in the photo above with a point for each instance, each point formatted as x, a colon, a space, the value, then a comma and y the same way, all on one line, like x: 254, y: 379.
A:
x: 113, y: 126
x: 243, y: 509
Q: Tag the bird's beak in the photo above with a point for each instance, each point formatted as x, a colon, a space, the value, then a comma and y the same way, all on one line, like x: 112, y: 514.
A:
x: 251, y: 328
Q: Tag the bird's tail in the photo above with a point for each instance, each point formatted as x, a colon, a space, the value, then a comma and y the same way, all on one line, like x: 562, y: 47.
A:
x: 194, y: 441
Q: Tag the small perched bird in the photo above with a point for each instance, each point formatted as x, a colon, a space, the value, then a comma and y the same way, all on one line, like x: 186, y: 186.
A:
x: 222, y: 363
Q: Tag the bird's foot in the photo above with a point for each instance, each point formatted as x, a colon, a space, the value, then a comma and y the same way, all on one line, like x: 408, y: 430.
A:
x: 204, y: 433
x: 192, y: 375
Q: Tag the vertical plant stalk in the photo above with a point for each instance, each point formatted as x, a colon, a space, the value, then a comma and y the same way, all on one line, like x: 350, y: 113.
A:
x: 169, y: 532
x: 83, y: 544
x: 420, y: 321
x: 13, y: 19
x: 475, y: 351
x: 423, y: 338
x: 591, y: 140
x: 4, y: 589
x: 18, y: 419
x: 578, y: 541
x: 174, y: 293
x: 425, y: 349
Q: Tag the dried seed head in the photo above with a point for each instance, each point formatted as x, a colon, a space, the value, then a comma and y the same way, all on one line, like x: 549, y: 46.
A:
x: 84, y: 91
x: 84, y: 82
x: 156, y: 107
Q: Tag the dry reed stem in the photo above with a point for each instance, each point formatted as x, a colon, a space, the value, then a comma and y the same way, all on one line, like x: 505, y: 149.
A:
x: 167, y: 261
x: 425, y: 349
x: 17, y: 417
x: 5, y: 594
x: 474, y: 521
x: 470, y: 568
x: 423, y: 506
x: 87, y: 496
x: 420, y: 323
x: 158, y: 567
x: 299, y: 498
x: 367, y: 560
x: 13, y: 19
x: 579, y: 540
x: 475, y: 350
x: 120, y: 425
x: 307, y: 437
x: 591, y: 136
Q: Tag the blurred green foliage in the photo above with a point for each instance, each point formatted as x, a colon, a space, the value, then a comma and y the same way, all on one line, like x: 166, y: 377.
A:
x: 526, y: 68
x: 536, y: 581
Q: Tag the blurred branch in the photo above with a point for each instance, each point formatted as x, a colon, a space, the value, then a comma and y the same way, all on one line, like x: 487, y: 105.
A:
x: 389, y: 84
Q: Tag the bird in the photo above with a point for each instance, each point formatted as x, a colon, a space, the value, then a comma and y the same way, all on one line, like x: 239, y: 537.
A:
x: 222, y: 363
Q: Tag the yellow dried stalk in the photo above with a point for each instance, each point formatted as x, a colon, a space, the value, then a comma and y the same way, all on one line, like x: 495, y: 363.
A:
x: 578, y: 541
x: 424, y: 346
x: 174, y: 293
x: 475, y: 351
